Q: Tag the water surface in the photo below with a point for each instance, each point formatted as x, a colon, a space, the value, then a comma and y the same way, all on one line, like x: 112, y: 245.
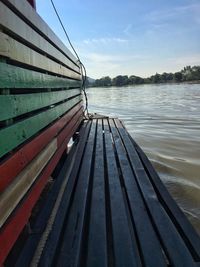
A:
x: 165, y: 121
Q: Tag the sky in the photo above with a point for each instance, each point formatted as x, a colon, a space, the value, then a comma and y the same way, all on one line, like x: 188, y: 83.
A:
x: 129, y: 37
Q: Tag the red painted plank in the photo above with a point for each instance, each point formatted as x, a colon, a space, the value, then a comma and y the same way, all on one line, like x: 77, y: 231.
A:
x: 11, y: 167
x: 15, y: 224
x: 77, y: 118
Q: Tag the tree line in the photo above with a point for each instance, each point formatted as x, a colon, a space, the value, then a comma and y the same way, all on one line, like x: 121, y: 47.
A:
x: 187, y: 74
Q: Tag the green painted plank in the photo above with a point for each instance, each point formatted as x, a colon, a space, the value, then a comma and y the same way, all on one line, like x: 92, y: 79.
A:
x: 11, y: 23
x: 18, y: 52
x: 14, y: 135
x: 12, y: 106
x: 15, y: 77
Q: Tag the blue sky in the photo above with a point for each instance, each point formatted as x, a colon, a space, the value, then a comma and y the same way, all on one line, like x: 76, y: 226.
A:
x: 129, y: 37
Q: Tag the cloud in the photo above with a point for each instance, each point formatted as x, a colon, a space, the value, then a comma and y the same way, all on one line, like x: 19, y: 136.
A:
x: 127, y: 30
x: 101, y: 64
x: 174, y: 13
x: 105, y: 41
x: 193, y: 59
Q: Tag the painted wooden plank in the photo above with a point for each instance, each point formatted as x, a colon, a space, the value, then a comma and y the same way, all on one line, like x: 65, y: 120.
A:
x: 97, y: 238
x: 10, y: 198
x: 72, y: 239
x: 78, y: 118
x: 124, y: 241
x: 53, y: 240
x: 10, y: 232
x: 22, y: 8
x: 12, y: 106
x: 14, y: 135
x: 180, y: 220
x: 172, y: 242
x: 12, y: 166
x: 47, y: 211
x: 16, y: 77
x: 20, y: 53
x: 11, y: 23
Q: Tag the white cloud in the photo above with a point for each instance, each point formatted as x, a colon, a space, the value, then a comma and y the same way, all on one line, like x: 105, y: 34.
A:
x: 163, y: 15
x: 193, y: 59
x: 127, y: 30
x: 101, y: 64
x: 105, y: 41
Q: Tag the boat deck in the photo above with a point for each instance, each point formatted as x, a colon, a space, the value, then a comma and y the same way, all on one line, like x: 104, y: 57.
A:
x: 108, y: 207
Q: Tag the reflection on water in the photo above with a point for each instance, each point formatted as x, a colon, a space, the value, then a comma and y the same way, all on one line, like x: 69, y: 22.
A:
x: 165, y: 121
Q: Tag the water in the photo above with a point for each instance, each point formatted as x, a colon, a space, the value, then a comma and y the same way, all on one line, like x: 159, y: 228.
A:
x: 165, y: 121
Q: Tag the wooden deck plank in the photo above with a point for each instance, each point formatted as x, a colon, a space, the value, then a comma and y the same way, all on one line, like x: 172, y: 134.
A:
x: 12, y: 106
x: 70, y: 250
x: 23, y: 10
x: 16, y: 134
x: 148, y: 240
x: 97, y: 245
x: 109, y: 213
x: 21, y: 54
x: 124, y: 243
x: 51, y: 252
x: 16, y: 77
x: 14, y: 25
x: 173, y: 244
x: 185, y: 227
x: 12, y: 166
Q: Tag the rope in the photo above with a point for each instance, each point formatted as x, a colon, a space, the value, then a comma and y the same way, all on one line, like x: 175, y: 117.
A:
x: 82, y: 67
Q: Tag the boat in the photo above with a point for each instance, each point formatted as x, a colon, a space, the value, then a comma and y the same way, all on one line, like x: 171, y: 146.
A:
x: 97, y: 202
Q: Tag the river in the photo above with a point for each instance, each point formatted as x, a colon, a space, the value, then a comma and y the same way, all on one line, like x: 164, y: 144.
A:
x: 165, y: 121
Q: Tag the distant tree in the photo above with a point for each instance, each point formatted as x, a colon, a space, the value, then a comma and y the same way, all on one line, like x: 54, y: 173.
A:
x: 107, y: 81
x: 178, y: 76
x: 156, y: 78
x: 135, y: 80
x: 187, y: 74
x: 104, y: 81
x: 120, y: 80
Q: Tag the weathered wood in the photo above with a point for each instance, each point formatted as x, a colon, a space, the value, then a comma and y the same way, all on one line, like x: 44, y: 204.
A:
x: 149, y: 242
x: 39, y: 225
x: 16, y: 51
x: 124, y: 242
x: 97, y: 244
x: 77, y: 119
x: 22, y: 8
x: 15, y: 77
x: 106, y: 172
x: 186, y: 229
x: 12, y: 106
x: 11, y: 197
x: 173, y: 243
x: 12, y: 24
x: 14, y: 135
x: 11, y: 167
x: 71, y: 247
x: 10, y: 232
x: 53, y: 241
